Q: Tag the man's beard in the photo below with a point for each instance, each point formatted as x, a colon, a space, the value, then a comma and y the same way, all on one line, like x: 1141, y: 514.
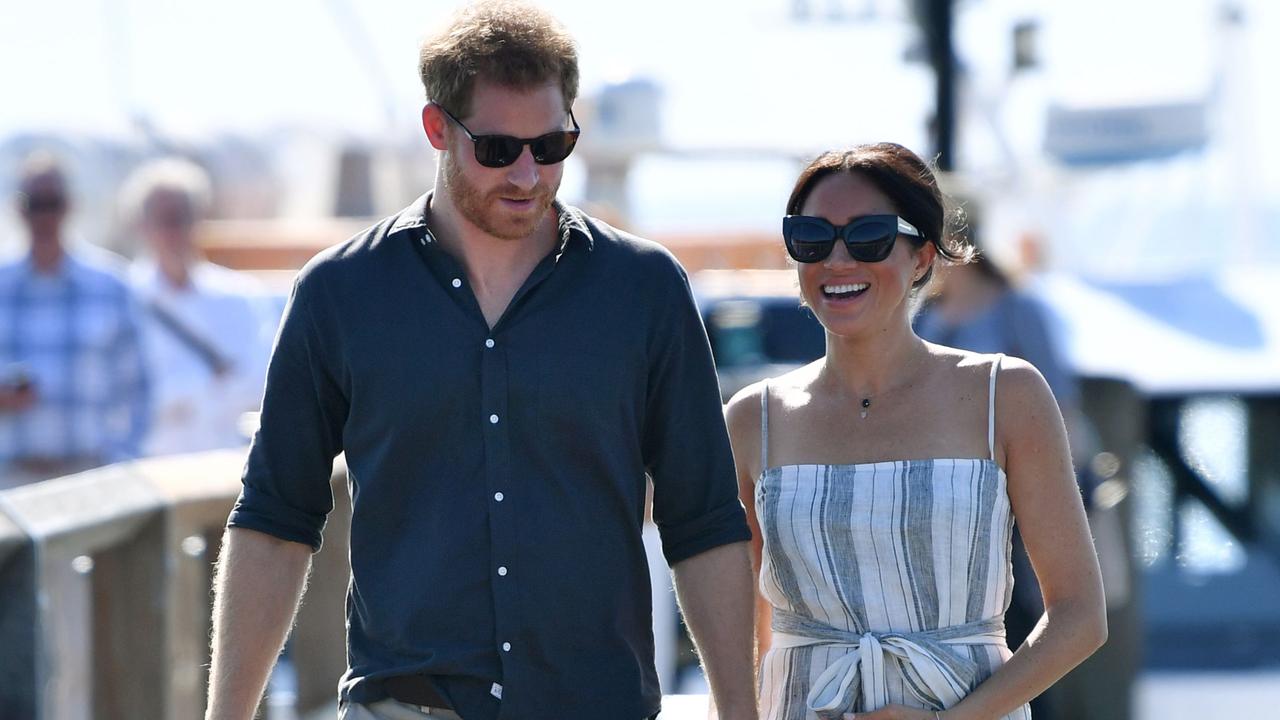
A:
x: 484, y: 210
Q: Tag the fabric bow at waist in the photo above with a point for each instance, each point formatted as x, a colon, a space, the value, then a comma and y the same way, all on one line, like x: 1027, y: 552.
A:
x: 934, y: 674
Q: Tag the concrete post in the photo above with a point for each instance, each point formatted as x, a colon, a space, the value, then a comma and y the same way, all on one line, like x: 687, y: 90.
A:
x: 198, y: 492
x: 1264, y: 470
x: 96, y: 558
x: 17, y: 618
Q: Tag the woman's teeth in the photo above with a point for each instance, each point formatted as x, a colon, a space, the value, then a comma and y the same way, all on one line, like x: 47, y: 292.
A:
x: 845, y: 290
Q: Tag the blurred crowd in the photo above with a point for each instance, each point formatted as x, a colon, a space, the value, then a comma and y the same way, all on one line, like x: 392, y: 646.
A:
x: 103, y: 358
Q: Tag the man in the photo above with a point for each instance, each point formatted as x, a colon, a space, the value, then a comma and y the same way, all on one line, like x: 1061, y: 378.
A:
x: 74, y: 392
x: 207, y: 330
x: 502, y: 372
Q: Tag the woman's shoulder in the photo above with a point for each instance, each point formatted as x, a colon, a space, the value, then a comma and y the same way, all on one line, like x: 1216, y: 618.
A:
x: 744, y: 411
x: 957, y: 363
x: 743, y: 405
x: 742, y: 417
x: 780, y: 386
x: 965, y: 362
x: 1021, y: 390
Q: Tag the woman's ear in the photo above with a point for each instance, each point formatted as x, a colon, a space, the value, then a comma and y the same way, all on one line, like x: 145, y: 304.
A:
x: 924, y: 257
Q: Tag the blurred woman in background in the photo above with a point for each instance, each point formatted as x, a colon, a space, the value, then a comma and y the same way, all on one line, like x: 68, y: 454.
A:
x: 207, y: 329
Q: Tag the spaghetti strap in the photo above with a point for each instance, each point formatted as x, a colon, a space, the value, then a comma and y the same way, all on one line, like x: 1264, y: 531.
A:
x: 764, y: 425
x: 991, y: 407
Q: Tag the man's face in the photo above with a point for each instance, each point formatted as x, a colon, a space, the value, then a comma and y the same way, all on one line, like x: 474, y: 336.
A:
x: 43, y: 205
x: 507, y: 202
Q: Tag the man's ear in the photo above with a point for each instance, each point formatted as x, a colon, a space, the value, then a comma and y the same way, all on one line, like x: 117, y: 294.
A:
x: 433, y: 123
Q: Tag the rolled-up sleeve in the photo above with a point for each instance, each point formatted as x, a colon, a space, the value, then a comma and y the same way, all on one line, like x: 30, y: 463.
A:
x: 686, y: 446
x: 287, y: 491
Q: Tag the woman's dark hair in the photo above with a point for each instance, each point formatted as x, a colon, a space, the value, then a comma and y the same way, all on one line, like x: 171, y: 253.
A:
x: 908, y: 183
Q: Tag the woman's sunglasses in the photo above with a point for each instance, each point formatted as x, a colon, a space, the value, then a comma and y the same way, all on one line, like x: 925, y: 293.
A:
x: 495, y: 151
x: 868, y: 238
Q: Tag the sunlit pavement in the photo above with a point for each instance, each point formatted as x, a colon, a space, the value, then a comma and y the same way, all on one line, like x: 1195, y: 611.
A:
x: 1160, y: 696
x: 1201, y: 695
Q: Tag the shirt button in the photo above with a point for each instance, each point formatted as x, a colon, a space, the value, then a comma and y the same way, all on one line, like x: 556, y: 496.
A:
x: 506, y: 647
x: 493, y: 419
x: 498, y: 496
x: 502, y: 571
x: 457, y: 283
x: 488, y: 343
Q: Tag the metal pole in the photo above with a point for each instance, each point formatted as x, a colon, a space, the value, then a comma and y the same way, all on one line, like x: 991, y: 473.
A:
x: 937, y: 17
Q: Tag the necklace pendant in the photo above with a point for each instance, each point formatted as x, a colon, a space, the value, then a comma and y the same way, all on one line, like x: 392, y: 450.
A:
x: 864, y: 414
x: 866, y: 405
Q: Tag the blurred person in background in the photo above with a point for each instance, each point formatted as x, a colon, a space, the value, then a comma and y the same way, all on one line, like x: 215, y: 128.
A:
x: 977, y: 307
x: 75, y: 390
x: 884, y: 478
x: 207, y: 329
x: 502, y: 372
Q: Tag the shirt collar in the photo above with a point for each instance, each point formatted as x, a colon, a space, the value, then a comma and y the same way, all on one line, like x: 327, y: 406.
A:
x: 571, y: 222
x: 66, y: 264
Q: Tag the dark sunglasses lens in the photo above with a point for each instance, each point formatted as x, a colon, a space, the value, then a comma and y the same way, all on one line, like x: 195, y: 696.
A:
x: 34, y: 204
x: 553, y: 147
x: 497, y: 150
x: 808, y: 241
x: 871, y: 241
x: 177, y: 219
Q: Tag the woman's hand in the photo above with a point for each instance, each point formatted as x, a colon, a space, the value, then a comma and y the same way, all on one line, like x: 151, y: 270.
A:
x: 894, y: 712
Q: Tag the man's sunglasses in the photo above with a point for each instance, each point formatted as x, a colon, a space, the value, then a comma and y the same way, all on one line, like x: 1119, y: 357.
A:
x: 495, y: 151
x: 868, y: 238
x: 41, y: 203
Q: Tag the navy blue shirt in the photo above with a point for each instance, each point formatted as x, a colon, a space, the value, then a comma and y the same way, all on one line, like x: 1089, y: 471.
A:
x: 497, y: 476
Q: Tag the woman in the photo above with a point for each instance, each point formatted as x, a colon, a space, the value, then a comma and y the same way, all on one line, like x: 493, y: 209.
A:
x: 883, y: 480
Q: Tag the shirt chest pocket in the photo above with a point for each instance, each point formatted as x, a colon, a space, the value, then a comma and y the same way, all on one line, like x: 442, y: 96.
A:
x: 592, y: 392
x: 410, y: 373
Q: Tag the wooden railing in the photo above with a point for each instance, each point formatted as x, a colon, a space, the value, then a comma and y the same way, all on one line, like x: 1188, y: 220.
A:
x: 105, y: 581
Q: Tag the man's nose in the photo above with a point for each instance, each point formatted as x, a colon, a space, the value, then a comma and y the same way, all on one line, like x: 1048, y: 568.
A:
x: 525, y: 171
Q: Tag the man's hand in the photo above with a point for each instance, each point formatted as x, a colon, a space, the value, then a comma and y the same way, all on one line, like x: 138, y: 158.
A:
x: 17, y: 398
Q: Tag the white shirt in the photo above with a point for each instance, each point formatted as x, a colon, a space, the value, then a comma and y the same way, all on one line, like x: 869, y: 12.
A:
x: 193, y: 408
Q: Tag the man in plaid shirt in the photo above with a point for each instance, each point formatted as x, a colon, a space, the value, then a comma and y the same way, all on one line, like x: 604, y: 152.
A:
x: 73, y: 389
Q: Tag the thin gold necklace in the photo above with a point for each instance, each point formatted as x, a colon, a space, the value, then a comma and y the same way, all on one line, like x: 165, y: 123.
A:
x: 866, y: 399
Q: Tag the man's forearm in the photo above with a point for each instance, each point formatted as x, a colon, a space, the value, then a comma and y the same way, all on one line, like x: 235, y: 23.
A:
x: 718, y: 604
x: 259, y: 582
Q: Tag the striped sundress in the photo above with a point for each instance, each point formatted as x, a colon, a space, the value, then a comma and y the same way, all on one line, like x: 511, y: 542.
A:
x: 888, y: 581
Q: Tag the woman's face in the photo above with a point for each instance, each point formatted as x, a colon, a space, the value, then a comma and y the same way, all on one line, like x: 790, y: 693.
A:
x: 852, y: 298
